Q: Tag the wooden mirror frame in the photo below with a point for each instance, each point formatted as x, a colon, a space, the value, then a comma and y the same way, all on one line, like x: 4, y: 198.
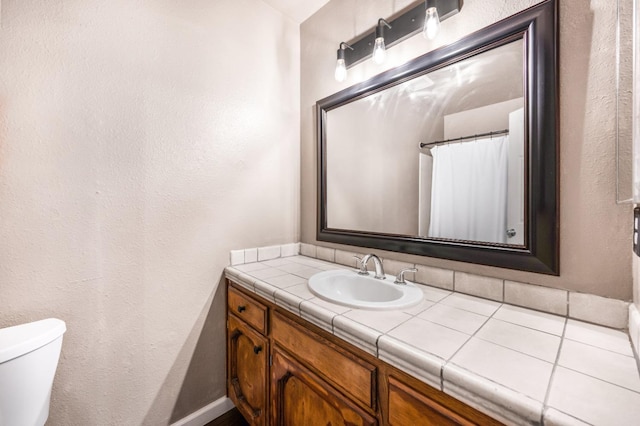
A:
x: 538, y: 27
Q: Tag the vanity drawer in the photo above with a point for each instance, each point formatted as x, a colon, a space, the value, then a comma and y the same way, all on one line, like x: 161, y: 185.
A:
x: 348, y: 373
x: 249, y: 310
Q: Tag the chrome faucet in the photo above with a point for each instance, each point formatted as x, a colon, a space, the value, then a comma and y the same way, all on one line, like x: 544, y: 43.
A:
x: 376, y: 262
x: 400, y: 277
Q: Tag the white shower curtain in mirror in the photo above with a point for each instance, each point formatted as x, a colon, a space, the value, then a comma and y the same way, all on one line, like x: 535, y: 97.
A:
x: 469, y: 192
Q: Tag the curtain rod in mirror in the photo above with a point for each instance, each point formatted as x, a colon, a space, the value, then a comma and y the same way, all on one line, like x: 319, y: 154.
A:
x: 479, y: 135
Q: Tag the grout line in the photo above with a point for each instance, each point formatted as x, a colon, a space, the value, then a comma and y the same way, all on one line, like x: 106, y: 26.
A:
x: 333, y: 327
x: 473, y: 312
x: 447, y: 361
x: 428, y: 308
x: 538, y: 310
x: 580, y: 421
x: 517, y: 350
x: 600, y: 379
x: 600, y: 347
x: 446, y: 326
x: 470, y: 337
x: 490, y: 380
x: 401, y: 323
x: 530, y: 328
x: 553, y: 373
x: 421, y: 354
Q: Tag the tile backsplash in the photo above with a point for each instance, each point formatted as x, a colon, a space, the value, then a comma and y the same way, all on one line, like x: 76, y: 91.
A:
x: 545, y: 299
x: 586, y: 307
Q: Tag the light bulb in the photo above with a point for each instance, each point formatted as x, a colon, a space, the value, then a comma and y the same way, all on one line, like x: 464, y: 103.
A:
x: 341, y: 70
x: 379, y: 51
x: 431, y: 23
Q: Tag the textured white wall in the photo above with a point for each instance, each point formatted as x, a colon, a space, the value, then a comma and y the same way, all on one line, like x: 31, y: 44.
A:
x: 139, y: 142
x: 595, y: 233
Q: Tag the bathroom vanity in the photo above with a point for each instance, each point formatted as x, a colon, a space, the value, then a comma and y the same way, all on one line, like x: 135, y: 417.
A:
x: 285, y: 370
x: 294, y: 358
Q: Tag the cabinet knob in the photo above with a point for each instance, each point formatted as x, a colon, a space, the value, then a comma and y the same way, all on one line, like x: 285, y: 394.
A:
x: 242, y: 308
x: 257, y: 349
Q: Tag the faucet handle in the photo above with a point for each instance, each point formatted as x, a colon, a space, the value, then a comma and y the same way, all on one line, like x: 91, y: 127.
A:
x: 363, y: 266
x: 400, y: 277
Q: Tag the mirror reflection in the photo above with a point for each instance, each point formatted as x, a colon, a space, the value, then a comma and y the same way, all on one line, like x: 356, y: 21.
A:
x: 440, y: 156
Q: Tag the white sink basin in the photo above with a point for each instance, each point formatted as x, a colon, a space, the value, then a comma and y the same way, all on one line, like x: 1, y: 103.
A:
x: 347, y: 288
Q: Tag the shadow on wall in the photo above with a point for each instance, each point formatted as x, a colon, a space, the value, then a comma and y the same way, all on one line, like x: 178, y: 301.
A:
x: 206, y: 365
x: 573, y: 116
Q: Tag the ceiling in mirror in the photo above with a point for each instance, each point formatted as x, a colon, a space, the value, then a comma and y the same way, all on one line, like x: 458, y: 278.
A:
x: 451, y: 155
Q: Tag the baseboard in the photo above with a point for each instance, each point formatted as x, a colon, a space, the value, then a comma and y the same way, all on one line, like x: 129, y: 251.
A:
x: 207, y: 413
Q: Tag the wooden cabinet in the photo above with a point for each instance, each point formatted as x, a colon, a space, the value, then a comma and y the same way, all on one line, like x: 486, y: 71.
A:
x: 300, y: 397
x: 248, y: 310
x: 345, y: 371
x: 247, y: 368
x: 311, y: 377
x: 408, y: 406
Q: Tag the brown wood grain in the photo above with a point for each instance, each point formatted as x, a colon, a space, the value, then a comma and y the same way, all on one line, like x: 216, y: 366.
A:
x: 248, y: 309
x: 248, y: 354
x: 320, y: 367
x: 406, y: 397
x: 299, y: 397
x: 341, y: 368
x: 407, y: 407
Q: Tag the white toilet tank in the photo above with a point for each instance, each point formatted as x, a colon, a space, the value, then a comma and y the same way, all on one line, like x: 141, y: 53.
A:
x: 29, y: 356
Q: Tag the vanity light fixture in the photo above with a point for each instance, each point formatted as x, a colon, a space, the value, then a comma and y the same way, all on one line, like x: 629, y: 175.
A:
x: 379, y: 49
x: 341, y: 67
x: 431, y: 20
x: 409, y: 23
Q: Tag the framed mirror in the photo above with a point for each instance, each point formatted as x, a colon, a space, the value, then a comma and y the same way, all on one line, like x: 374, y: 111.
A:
x: 453, y: 154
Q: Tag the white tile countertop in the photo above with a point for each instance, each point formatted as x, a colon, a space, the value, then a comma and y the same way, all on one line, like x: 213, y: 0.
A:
x: 518, y: 365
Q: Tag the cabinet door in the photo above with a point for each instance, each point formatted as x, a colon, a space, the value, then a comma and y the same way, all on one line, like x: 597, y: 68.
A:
x: 410, y: 407
x: 299, y: 397
x: 343, y: 370
x: 247, y: 358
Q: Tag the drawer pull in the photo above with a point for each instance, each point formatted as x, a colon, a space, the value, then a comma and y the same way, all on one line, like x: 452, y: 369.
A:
x: 250, y: 310
x: 257, y: 349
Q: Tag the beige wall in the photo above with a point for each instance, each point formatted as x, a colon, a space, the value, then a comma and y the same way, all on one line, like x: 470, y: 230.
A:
x: 361, y: 175
x: 636, y: 280
x: 140, y: 141
x: 595, y: 233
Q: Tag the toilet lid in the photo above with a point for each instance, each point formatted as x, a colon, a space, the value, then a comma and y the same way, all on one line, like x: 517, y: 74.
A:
x: 21, y: 339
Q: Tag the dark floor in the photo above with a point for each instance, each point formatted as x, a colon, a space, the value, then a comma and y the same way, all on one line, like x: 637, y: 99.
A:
x: 230, y: 418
